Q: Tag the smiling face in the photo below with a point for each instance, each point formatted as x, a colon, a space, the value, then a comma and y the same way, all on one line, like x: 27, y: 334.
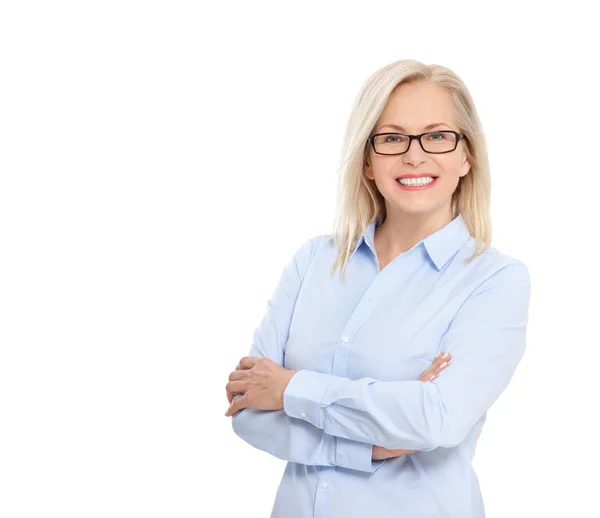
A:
x: 411, y: 108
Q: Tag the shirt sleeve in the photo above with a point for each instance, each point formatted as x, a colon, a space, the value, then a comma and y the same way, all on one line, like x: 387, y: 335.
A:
x: 275, y: 432
x: 486, y: 340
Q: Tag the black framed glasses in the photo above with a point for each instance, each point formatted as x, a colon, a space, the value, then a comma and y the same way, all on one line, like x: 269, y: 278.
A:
x: 437, y: 142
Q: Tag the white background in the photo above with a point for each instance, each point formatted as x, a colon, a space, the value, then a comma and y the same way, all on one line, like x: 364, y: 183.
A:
x: 138, y: 249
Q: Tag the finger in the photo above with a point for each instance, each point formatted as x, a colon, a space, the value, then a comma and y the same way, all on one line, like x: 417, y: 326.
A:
x: 238, y: 375
x: 231, y: 395
x: 441, y: 358
x: 237, y: 405
x: 439, y: 368
x: 247, y: 362
x: 438, y: 360
x: 437, y: 372
x: 433, y: 372
x: 237, y: 386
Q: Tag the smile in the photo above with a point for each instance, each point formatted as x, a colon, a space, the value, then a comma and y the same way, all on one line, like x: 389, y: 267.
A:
x: 418, y: 184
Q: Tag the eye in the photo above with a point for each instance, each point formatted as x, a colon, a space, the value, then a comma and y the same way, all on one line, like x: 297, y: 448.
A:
x: 436, y: 137
x: 394, y: 138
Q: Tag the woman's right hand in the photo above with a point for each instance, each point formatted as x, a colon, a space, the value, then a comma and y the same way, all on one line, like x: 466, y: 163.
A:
x: 432, y: 372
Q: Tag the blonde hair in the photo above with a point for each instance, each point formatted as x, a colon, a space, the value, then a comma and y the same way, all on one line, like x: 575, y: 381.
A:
x: 360, y: 202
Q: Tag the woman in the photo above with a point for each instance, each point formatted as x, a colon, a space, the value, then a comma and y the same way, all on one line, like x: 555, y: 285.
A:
x: 345, y: 378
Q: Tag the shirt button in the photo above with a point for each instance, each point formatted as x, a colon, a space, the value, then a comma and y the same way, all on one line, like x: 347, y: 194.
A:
x: 303, y: 414
x: 345, y: 339
x: 324, y: 485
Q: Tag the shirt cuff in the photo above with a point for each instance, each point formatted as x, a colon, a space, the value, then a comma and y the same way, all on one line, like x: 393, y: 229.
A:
x: 355, y: 455
x: 303, y: 395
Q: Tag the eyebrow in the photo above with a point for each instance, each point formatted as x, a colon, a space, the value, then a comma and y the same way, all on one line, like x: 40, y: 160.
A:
x: 400, y: 128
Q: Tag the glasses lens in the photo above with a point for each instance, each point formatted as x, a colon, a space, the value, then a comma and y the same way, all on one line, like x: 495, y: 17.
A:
x: 439, y: 142
x: 391, y: 143
x: 434, y: 142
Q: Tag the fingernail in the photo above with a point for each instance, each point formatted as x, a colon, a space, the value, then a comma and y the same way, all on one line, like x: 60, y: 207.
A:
x: 446, y: 355
x: 432, y: 376
x: 439, y: 354
x: 443, y: 364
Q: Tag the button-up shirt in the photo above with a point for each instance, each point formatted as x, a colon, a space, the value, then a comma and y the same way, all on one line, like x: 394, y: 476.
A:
x: 360, y: 346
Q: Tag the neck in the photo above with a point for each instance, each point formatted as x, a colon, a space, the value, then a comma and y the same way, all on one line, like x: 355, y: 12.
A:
x: 400, y: 232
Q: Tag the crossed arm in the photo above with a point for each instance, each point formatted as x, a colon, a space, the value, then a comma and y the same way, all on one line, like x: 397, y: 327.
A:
x: 333, y: 421
x: 274, y: 431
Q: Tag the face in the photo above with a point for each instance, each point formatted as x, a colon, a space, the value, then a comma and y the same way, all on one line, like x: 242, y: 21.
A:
x: 413, y: 107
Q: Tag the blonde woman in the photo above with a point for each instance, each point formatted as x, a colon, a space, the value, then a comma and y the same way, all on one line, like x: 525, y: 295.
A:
x: 349, y: 376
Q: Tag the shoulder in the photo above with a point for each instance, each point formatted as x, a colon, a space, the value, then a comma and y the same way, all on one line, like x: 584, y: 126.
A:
x: 308, y: 249
x: 493, y: 266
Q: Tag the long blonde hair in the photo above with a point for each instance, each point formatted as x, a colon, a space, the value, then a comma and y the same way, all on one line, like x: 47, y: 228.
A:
x: 360, y: 202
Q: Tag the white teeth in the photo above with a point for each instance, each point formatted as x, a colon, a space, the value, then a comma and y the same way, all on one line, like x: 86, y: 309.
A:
x: 415, y: 181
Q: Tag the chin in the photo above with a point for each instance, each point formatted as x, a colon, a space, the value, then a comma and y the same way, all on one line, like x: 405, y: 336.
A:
x: 420, y: 209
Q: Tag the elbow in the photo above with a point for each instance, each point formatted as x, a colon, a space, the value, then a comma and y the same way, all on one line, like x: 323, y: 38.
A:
x: 457, y: 431
x: 251, y: 429
x: 448, y: 435
x: 442, y: 426
x: 239, y: 423
x: 450, y: 438
x: 428, y: 440
x: 435, y: 426
x: 425, y: 438
x: 246, y: 426
x: 242, y: 420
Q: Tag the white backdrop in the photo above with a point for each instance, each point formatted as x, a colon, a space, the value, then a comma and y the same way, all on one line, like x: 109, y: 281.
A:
x: 138, y: 249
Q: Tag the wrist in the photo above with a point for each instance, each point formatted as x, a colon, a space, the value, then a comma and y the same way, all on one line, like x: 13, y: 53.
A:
x: 289, y: 374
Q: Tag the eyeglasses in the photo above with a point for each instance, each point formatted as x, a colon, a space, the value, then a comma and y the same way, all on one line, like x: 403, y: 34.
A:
x: 436, y: 142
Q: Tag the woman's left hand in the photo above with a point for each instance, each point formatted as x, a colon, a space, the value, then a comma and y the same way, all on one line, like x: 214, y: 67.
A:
x: 261, y: 381
x: 380, y: 453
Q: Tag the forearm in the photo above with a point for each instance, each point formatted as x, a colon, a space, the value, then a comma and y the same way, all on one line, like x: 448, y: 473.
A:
x: 393, y: 415
x: 486, y: 340
x: 298, y: 441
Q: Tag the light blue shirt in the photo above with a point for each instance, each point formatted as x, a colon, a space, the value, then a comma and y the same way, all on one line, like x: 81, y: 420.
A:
x: 361, y: 347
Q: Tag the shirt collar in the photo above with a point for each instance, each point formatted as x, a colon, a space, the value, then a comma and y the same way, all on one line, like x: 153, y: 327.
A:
x: 440, y: 246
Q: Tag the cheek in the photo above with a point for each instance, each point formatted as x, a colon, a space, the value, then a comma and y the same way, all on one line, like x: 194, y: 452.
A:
x: 449, y: 174
x: 381, y: 167
x: 450, y: 166
x: 382, y: 174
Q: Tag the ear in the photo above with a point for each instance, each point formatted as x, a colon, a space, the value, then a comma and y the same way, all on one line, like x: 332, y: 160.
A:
x: 465, y: 167
x: 368, y: 170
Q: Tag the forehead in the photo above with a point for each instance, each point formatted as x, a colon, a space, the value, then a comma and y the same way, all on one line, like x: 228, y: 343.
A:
x: 417, y: 107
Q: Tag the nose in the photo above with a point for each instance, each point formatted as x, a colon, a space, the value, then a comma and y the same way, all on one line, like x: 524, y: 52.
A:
x: 415, y: 153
